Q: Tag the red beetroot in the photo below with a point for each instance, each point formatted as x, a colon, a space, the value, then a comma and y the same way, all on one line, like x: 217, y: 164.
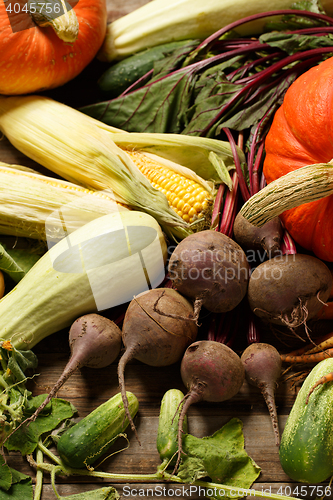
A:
x: 262, y: 363
x: 267, y: 237
x: 95, y: 342
x: 289, y: 289
x: 211, y: 372
x: 157, y: 328
x: 210, y: 268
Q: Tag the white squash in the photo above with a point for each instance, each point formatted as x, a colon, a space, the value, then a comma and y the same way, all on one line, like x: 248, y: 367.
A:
x: 160, y: 22
x: 100, y: 265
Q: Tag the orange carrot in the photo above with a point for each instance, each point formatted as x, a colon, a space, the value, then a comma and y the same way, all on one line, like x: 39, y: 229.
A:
x: 323, y: 380
x: 324, y: 345
x: 307, y: 358
x: 319, y: 344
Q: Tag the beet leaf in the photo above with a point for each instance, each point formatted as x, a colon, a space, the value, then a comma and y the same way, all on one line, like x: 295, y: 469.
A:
x: 225, y: 82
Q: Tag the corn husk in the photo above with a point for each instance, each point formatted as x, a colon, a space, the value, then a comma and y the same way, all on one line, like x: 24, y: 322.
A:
x: 208, y: 161
x: 36, y: 206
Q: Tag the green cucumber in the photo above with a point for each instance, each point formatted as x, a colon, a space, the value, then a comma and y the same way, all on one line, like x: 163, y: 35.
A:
x: 89, y: 439
x: 122, y: 74
x: 167, y: 433
x: 306, y: 450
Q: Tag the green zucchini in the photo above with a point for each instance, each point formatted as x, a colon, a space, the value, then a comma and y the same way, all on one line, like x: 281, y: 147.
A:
x: 89, y: 439
x: 167, y: 440
x: 122, y: 74
x: 306, y: 450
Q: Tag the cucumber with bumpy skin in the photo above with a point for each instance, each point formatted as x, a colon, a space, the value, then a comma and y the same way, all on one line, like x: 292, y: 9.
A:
x: 306, y: 450
x: 89, y: 439
x: 167, y: 434
x: 122, y: 74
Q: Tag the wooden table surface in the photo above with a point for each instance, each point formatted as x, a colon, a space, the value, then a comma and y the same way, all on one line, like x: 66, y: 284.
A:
x: 88, y: 388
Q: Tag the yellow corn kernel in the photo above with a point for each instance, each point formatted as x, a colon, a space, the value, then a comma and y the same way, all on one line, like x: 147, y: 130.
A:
x: 180, y: 205
x: 192, y: 212
x: 187, y: 197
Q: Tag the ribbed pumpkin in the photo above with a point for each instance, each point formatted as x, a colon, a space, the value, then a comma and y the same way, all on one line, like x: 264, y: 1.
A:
x: 302, y: 134
x: 33, y: 57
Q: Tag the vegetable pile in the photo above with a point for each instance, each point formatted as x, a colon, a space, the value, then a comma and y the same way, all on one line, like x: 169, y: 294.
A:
x: 184, y: 221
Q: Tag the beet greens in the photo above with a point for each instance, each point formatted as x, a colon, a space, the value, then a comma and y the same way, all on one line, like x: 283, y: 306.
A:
x: 225, y: 83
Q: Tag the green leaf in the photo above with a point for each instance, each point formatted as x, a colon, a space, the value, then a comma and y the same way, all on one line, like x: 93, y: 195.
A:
x: 108, y: 493
x: 25, y: 359
x: 152, y: 108
x: 25, y: 439
x: 13, y: 484
x: 175, y: 60
x: 19, y: 491
x: 293, y: 43
x: 9, y: 266
x: 5, y: 475
x: 18, y: 476
x: 16, y: 262
x: 296, y: 21
x: 24, y: 258
x: 56, y: 434
x: 252, y: 112
x: 221, y: 457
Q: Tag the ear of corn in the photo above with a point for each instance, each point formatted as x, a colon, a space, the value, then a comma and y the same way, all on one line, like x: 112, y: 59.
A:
x: 37, y: 206
x: 70, y: 144
x: 190, y: 199
x: 210, y: 159
x: 86, y: 152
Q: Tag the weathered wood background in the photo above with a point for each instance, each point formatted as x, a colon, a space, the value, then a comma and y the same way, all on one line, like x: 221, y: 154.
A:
x: 88, y: 388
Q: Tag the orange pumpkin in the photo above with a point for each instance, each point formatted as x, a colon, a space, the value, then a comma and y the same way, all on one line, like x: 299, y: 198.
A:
x: 302, y: 134
x: 32, y: 56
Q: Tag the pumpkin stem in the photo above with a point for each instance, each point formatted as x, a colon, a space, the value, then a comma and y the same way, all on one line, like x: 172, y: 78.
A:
x: 59, y: 15
x: 306, y: 184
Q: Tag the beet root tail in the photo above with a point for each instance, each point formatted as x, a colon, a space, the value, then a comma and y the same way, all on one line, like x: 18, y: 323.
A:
x: 70, y: 368
x: 192, y: 397
x: 269, y: 397
x: 125, y: 358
